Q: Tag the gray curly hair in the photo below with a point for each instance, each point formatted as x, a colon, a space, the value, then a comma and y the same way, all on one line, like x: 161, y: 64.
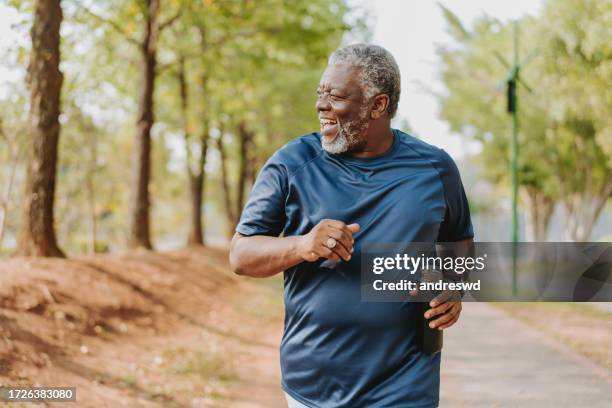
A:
x: 379, y: 71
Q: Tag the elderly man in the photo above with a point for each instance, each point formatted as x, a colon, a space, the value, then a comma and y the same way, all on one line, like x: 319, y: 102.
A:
x: 355, y: 182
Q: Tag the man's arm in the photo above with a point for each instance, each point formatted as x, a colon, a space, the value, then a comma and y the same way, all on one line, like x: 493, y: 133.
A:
x: 261, y: 256
x: 448, y: 303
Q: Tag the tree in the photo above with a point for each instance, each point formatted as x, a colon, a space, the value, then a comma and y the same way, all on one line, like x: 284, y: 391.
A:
x: 139, y: 234
x: 37, y: 233
x: 566, y: 123
x: 195, y: 28
x: 475, y: 106
x: 575, y: 62
x: 150, y: 13
x: 195, y: 173
x: 583, y: 175
x: 268, y: 98
x: 244, y: 66
x: 82, y: 180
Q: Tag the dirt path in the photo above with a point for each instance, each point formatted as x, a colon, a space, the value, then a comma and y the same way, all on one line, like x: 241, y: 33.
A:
x: 142, y: 330
x: 493, y: 360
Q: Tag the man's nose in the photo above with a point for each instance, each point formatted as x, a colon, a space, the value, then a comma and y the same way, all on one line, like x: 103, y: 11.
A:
x: 322, y: 104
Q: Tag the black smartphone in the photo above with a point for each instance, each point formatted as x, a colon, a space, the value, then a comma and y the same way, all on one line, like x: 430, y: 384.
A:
x: 429, y: 340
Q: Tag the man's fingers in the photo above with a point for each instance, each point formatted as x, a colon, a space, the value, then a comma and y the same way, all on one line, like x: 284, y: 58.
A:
x: 445, y: 318
x: 325, y: 252
x: 438, y: 310
x: 336, y: 224
x: 319, y: 238
x: 341, y: 251
x: 450, y: 322
x: 445, y: 296
x: 342, y: 238
x: 343, y: 227
x: 333, y: 256
x: 448, y: 317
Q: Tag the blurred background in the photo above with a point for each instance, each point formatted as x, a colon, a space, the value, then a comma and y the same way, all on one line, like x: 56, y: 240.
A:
x: 231, y: 81
x: 142, y: 124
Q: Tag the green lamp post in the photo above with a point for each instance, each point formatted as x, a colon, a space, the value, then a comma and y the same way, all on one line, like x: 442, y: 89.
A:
x: 512, y: 102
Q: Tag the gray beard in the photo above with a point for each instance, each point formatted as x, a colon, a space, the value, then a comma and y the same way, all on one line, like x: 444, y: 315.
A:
x: 350, y: 137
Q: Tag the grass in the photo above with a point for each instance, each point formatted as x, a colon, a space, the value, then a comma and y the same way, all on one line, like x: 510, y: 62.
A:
x: 130, y: 381
x: 198, y: 375
x: 207, y: 366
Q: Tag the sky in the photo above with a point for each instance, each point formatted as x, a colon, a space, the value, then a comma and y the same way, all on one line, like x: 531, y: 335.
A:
x: 408, y: 29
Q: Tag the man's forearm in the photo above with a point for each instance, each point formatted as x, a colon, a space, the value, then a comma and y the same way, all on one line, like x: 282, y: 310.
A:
x: 262, y: 256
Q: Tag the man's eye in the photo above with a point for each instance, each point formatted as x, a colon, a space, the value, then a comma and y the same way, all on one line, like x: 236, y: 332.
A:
x: 331, y: 96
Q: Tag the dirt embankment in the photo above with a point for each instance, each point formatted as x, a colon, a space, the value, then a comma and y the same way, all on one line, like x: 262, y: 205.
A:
x: 143, y: 329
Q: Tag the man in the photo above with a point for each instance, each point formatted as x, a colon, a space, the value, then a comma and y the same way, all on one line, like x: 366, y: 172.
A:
x: 356, y: 182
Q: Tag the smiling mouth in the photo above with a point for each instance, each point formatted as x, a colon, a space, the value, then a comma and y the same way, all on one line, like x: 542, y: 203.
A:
x: 328, y: 127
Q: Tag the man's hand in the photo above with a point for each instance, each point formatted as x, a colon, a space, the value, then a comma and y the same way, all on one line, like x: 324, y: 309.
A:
x: 447, y: 305
x: 261, y: 256
x: 314, y: 245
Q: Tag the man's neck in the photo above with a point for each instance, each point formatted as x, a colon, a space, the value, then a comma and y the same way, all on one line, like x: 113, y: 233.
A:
x: 379, y: 142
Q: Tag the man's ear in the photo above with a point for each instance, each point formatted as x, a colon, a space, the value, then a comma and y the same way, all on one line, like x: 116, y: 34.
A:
x: 379, y: 108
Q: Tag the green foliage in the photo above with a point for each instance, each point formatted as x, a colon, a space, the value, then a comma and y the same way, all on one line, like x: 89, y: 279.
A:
x: 565, y: 138
x: 90, y: 155
x: 577, y: 69
x: 568, y: 99
x: 455, y: 26
x: 475, y: 103
x: 255, y: 63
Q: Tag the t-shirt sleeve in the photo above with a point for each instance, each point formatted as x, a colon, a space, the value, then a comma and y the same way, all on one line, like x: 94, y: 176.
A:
x: 264, y: 213
x: 457, y: 224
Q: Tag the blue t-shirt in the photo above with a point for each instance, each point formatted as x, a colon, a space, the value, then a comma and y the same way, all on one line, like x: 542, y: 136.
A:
x: 337, y: 351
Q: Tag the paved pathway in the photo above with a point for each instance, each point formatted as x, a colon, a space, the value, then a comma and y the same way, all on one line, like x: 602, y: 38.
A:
x: 493, y: 360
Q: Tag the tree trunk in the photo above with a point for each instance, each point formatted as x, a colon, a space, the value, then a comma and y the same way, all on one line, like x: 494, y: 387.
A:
x: 139, y: 229
x: 229, y: 208
x: 198, y: 197
x: 583, y: 210
x: 252, y: 165
x: 37, y: 234
x: 256, y: 165
x: 246, y: 167
x: 195, y: 176
x: 197, y: 184
x: 540, y: 208
x: 91, y: 191
x: 196, y: 232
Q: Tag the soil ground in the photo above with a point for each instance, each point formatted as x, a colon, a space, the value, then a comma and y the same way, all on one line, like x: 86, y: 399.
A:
x: 142, y: 330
